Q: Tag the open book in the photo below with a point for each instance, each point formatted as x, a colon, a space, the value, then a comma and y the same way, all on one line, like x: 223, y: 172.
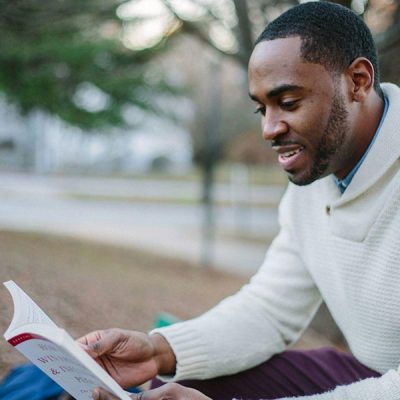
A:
x: 51, y: 349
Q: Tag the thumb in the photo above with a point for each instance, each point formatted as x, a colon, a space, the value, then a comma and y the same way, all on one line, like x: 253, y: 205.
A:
x: 101, y: 346
x: 88, y: 349
x: 99, y: 343
x: 93, y: 343
x: 101, y: 394
x: 162, y: 392
x: 98, y: 348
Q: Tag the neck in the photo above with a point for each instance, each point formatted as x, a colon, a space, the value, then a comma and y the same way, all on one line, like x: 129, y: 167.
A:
x: 369, y: 114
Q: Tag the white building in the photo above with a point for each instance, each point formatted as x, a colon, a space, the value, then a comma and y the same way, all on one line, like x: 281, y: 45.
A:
x: 44, y: 143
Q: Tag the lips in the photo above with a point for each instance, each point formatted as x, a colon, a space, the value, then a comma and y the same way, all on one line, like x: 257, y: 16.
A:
x: 291, y: 153
x: 289, y: 156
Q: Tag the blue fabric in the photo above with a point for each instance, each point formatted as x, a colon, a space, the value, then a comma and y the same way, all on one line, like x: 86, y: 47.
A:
x: 345, y: 182
x: 133, y: 390
x: 29, y: 382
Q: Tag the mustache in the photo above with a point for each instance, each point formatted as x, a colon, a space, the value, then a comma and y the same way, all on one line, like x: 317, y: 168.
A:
x: 280, y: 142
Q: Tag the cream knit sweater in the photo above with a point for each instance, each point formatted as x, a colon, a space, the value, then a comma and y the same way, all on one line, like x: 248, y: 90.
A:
x: 344, y: 249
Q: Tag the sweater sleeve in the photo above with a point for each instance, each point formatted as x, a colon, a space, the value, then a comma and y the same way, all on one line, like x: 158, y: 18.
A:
x: 386, y: 387
x: 262, y: 319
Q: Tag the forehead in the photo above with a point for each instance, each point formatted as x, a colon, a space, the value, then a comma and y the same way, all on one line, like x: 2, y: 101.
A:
x: 278, y: 62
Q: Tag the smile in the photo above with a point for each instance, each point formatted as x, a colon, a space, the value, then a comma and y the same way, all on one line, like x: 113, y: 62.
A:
x: 289, y: 154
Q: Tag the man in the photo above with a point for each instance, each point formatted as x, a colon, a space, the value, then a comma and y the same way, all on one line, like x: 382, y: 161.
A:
x: 313, y: 76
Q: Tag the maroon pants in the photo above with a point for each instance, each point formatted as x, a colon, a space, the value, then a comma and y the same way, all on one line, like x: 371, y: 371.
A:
x: 291, y: 373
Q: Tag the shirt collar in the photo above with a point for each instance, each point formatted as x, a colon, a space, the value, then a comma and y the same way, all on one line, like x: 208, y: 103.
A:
x: 342, y: 184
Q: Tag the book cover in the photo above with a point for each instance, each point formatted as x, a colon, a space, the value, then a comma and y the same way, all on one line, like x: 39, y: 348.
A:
x: 53, y: 350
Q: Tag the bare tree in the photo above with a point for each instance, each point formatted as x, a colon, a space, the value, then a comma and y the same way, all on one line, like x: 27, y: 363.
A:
x: 389, y: 49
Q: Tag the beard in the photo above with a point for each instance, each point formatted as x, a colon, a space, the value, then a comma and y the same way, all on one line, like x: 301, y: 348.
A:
x: 330, y: 144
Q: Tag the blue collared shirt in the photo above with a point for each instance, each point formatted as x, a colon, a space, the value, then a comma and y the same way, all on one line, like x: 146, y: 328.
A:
x: 345, y: 182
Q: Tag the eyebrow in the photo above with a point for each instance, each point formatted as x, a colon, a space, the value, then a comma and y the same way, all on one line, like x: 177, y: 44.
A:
x: 282, y: 88
x: 278, y: 90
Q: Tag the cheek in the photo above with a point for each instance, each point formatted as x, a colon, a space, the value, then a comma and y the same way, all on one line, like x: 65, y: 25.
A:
x: 317, y: 115
x: 311, y: 123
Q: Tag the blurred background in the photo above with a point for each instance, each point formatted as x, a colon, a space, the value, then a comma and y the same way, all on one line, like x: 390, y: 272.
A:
x: 133, y: 176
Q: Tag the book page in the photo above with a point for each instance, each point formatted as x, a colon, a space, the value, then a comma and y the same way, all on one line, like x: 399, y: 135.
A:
x: 26, y: 311
x: 63, y: 367
x: 51, y: 349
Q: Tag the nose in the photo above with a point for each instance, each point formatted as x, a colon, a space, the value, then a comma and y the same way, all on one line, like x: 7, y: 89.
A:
x: 273, y: 126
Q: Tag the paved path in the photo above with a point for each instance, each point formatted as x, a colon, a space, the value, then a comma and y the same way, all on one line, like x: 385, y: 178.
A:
x: 55, y: 205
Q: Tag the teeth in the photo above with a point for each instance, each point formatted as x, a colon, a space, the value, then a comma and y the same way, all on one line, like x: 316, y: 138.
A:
x: 291, y: 153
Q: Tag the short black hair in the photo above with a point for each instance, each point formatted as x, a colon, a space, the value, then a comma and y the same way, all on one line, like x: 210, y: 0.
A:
x: 332, y: 35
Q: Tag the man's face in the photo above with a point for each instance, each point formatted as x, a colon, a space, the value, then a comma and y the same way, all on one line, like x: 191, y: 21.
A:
x: 303, y: 111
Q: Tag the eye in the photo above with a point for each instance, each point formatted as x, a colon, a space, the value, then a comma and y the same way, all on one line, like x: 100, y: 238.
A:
x: 289, y: 105
x: 260, y: 110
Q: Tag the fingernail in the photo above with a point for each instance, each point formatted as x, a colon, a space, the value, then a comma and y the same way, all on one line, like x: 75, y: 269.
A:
x: 95, y: 394
x: 94, y: 347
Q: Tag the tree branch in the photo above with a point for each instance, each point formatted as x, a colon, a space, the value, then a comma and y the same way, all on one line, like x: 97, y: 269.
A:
x: 245, y: 33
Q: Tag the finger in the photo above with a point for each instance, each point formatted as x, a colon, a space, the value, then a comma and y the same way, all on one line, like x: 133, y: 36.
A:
x: 99, y: 343
x: 85, y: 342
x: 90, y: 337
x: 171, y: 391
x: 167, y: 391
x: 102, y: 346
x: 101, y: 394
x: 154, y: 394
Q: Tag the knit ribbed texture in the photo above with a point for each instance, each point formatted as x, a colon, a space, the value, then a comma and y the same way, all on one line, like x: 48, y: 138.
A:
x: 385, y: 388
x: 343, y: 249
x: 192, y: 355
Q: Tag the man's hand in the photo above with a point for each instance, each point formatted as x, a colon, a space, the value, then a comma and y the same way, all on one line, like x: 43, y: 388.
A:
x: 130, y: 357
x: 169, y: 391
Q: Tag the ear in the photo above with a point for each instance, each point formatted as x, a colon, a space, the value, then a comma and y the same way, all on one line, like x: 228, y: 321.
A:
x: 360, y: 75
